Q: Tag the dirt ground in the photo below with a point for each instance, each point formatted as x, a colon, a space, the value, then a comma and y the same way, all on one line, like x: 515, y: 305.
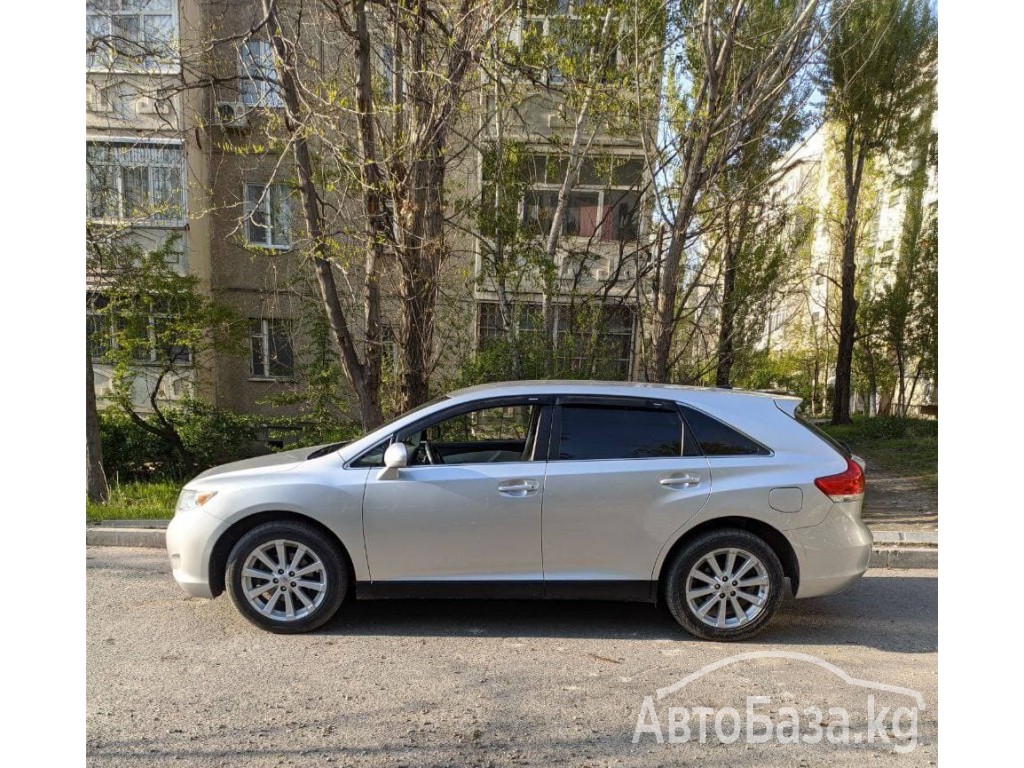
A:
x: 894, y: 503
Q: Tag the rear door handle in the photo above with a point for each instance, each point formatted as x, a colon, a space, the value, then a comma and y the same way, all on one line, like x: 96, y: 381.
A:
x: 680, y: 481
x: 518, y: 487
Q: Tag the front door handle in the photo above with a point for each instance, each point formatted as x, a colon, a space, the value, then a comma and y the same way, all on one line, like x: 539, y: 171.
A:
x: 680, y: 481
x: 518, y: 487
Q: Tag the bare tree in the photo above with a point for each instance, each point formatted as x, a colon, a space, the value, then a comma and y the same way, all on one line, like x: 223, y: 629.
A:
x: 737, y: 60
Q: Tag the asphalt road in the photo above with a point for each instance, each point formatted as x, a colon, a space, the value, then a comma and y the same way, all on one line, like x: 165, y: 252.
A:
x: 177, y: 681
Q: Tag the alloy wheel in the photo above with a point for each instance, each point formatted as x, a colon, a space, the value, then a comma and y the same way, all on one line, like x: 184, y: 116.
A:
x: 284, y: 580
x: 727, y: 588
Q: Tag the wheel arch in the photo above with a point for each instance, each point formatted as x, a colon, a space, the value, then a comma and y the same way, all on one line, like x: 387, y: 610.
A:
x: 772, y: 536
x: 227, y: 540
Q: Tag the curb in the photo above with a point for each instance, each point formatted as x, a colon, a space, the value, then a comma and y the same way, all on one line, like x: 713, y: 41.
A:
x: 893, y: 549
x: 906, y: 537
x: 109, y: 536
x: 904, y: 557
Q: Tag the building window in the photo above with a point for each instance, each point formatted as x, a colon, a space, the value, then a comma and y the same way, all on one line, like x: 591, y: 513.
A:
x: 139, y: 182
x: 386, y: 72
x: 268, y: 215
x: 272, y: 356
x: 391, y: 352
x: 257, y: 75
x: 600, y: 343
x: 99, y: 331
x: 150, y: 337
x: 130, y: 34
x: 560, y: 20
x: 604, y: 205
x: 581, y: 213
x: 526, y: 318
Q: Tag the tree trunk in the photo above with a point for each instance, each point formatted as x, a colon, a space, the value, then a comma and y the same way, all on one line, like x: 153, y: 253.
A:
x: 367, y: 397
x: 378, y: 224
x: 853, y: 169
x: 95, y: 478
x: 727, y: 328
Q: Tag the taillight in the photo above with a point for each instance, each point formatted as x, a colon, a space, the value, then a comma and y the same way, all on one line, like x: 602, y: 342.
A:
x: 846, y: 486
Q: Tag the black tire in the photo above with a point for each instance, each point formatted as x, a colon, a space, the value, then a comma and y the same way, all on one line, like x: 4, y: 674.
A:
x: 690, y: 555
x: 335, y: 577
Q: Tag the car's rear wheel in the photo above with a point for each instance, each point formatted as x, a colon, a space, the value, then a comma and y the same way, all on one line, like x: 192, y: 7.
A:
x: 286, y: 577
x: 724, y: 585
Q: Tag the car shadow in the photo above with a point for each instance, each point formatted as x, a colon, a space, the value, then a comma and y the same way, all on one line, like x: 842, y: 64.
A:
x: 893, y: 613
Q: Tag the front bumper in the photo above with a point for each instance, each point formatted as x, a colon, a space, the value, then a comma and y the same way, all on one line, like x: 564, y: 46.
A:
x: 833, y: 554
x: 190, y: 539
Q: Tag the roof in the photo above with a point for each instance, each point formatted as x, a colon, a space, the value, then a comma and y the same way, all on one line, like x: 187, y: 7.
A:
x: 622, y: 388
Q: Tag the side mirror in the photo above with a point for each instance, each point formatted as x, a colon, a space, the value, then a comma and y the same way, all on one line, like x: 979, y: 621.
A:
x: 395, y: 457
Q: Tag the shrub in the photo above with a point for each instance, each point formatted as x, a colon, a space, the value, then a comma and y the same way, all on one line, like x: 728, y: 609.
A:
x: 210, y: 436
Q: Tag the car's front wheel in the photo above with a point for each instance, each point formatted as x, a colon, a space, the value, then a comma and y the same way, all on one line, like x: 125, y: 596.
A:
x: 724, y: 585
x: 286, y: 577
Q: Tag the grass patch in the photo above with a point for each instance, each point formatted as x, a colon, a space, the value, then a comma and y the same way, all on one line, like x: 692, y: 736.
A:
x: 902, y: 447
x: 136, y: 501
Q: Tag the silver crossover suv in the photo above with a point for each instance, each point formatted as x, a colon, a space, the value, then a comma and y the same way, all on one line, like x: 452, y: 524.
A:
x: 703, y: 499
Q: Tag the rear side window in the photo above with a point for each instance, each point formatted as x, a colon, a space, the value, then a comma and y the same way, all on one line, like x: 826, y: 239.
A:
x: 614, y: 432
x: 718, y: 439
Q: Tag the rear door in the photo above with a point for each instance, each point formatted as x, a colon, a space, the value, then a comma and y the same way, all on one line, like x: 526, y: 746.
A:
x: 617, y: 486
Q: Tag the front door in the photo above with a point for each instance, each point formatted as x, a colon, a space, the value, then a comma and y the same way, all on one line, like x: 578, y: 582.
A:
x: 617, y: 487
x: 467, y: 509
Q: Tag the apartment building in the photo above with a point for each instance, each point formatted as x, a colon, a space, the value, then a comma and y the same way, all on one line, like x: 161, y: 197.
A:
x: 137, y: 150
x: 182, y: 126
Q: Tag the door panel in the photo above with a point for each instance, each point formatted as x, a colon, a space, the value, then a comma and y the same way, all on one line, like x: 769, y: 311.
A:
x: 459, y: 522
x: 616, y: 488
x: 609, y: 519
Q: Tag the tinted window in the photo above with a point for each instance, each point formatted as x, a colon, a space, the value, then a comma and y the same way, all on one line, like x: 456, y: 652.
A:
x: 717, y: 439
x: 606, y: 432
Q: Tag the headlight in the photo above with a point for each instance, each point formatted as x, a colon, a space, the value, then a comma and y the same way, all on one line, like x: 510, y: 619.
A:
x: 190, y: 499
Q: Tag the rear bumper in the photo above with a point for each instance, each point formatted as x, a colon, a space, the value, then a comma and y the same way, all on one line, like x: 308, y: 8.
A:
x: 833, y: 554
x: 190, y: 538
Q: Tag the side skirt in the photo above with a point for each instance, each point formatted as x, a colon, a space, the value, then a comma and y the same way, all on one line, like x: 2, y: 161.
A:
x: 626, y: 591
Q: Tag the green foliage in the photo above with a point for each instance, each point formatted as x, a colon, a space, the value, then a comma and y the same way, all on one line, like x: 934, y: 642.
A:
x: 904, y: 447
x: 137, y: 501
x: 150, y: 324
x: 879, y: 69
x: 151, y: 316
x: 317, y: 390
x: 209, y: 436
x: 584, y: 349
x: 899, y: 323
x: 504, y: 244
x: 791, y: 372
x: 577, y: 53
